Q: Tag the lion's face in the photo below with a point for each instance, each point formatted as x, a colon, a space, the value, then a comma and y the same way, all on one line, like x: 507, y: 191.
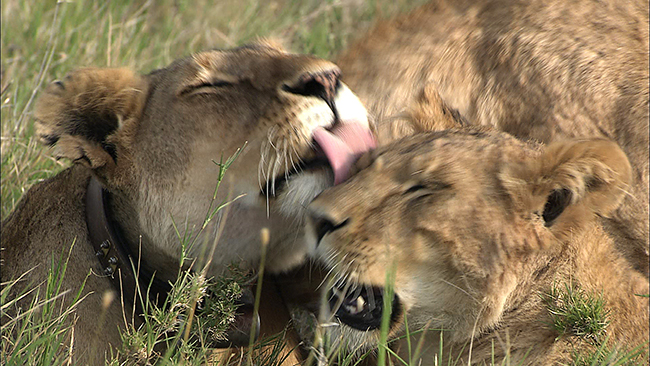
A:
x: 156, y: 141
x: 454, y: 218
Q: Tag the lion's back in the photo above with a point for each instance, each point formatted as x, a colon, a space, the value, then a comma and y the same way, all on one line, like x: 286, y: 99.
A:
x: 46, y: 229
x: 540, y: 70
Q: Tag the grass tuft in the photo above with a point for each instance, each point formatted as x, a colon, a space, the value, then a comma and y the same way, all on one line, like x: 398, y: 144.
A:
x: 160, y: 338
x: 575, y: 312
x: 605, y: 355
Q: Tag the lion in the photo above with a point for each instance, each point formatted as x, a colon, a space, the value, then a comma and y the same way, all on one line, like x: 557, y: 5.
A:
x: 475, y: 228
x: 147, y: 151
x: 541, y: 70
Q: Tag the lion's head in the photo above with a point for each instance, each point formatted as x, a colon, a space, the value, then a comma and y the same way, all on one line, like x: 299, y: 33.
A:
x: 460, y: 220
x: 155, y: 142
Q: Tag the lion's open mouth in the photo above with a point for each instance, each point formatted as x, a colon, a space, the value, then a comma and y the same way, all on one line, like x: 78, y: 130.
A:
x: 336, y: 148
x: 363, y: 307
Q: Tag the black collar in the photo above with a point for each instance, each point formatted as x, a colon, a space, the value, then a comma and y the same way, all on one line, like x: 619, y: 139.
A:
x: 119, y: 265
x: 116, y: 261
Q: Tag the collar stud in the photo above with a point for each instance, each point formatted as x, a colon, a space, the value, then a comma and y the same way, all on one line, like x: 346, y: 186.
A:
x: 112, y: 253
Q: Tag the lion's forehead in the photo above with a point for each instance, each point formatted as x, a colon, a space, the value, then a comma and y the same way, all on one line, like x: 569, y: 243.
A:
x: 458, y: 140
x: 449, y: 157
x: 437, y: 183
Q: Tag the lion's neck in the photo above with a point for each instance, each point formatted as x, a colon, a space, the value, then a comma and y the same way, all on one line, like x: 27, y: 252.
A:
x: 123, y: 216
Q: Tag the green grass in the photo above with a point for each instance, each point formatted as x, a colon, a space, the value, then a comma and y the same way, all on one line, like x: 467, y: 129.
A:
x: 575, y: 312
x: 607, y: 355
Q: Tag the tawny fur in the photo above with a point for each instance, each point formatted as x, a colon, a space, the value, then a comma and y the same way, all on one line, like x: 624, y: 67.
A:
x: 153, y: 140
x: 474, y: 249
x: 541, y: 70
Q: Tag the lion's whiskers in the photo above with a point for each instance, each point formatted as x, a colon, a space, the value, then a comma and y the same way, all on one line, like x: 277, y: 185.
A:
x: 460, y: 289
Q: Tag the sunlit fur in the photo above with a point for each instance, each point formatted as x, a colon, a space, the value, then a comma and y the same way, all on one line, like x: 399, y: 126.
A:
x: 459, y: 216
x: 545, y: 70
x: 154, y: 142
x: 172, y: 131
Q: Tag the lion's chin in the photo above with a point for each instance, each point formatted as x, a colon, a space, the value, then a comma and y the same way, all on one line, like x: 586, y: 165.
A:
x: 299, y: 189
x: 340, y: 336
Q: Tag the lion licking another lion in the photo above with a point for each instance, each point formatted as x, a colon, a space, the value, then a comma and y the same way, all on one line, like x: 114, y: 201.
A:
x: 148, y: 143
x: 475, y: 223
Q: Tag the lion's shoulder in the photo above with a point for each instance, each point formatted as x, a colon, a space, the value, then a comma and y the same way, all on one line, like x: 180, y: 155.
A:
x: 48, y: 219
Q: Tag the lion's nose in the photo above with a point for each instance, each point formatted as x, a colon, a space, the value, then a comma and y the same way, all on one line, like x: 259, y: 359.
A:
x: 322, y: 84
x: 323, y: 224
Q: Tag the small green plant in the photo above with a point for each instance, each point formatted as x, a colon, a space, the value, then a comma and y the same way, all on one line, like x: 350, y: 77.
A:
x: 575, y: 312
x: 161, y: 336
x: 218, y: 308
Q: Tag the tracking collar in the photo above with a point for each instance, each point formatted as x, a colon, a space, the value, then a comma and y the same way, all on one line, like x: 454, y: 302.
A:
x: 119, y: 265
x: 116, y: 261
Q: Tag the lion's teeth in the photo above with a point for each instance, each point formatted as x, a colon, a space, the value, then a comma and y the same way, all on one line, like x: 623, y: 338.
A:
x: 356, y: 307
x: 360, y: 303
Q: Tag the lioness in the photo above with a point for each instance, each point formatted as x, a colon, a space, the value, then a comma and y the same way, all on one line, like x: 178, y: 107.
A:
x: 476, y: 228
x: 544, y: 70
x: 148, y: 146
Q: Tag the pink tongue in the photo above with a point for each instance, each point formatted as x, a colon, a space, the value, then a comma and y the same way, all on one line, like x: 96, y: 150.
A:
x: 343, y: 145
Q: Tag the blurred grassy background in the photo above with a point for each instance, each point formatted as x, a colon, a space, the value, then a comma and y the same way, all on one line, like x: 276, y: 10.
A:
x: 43, y: 40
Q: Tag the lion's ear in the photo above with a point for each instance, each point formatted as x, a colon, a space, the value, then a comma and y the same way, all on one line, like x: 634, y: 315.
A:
x: 570, y: 182
x: 81, y: 115
x: 428, y: 113
x: 432, y: 113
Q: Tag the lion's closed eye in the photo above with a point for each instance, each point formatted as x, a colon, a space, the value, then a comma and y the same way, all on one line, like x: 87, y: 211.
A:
x: 206, y: 87
x: 415, y: 188
x: 214, y: 84
x: 419, y: 190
